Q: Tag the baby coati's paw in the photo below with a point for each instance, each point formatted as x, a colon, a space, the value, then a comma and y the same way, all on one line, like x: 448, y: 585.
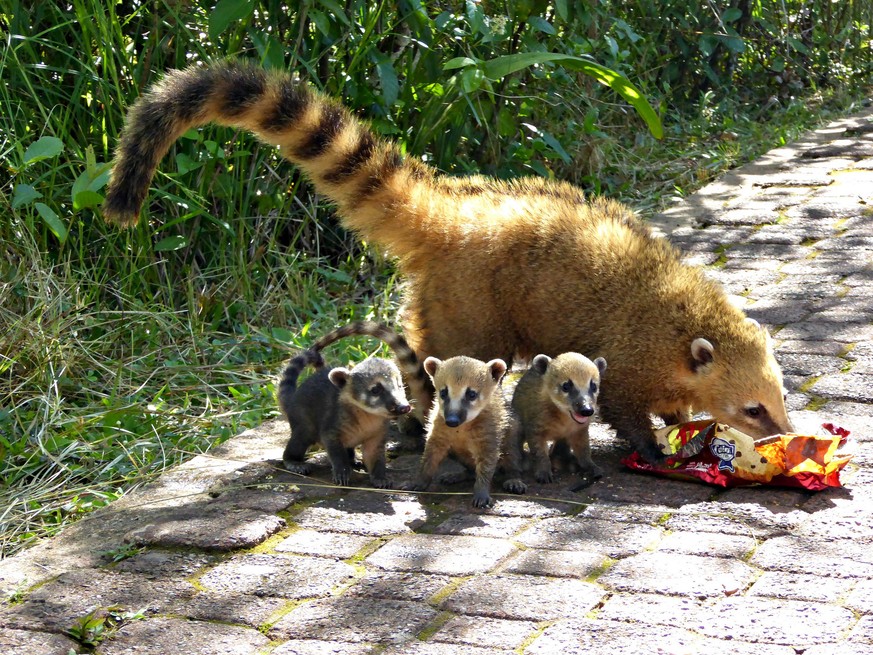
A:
x: 342, y: 476
x: 545, y: 477
x: 382, y: 483
x: 515, y: 486
x: 300, y: 468
x: 587, y: 478
x: 482, y: 499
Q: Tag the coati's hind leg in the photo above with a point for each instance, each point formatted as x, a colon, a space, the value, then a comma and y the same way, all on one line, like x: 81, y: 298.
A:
x: 511, y: 462
x: 339, y: 459
x: 679, y: 416
x: 588, y: 471
x: 302, y: 437
x: 633, y: 425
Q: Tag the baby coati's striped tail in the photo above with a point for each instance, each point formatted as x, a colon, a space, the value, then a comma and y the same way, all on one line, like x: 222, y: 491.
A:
x: 413, y: 372
x: 363, y: 174
x: 288, y: 383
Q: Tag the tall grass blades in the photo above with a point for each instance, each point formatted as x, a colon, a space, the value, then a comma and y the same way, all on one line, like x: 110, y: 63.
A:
x: 123, y: 352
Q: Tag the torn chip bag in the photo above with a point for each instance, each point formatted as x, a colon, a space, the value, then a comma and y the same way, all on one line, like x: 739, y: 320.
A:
x: 718, y: 454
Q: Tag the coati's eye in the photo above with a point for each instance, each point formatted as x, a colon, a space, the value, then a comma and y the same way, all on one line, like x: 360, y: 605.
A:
x: 471, y: 395
x: 755, y: 412
x: 567, y: 386
x: 444, y: 393
x: 592, y: 388
x: 376, y: 389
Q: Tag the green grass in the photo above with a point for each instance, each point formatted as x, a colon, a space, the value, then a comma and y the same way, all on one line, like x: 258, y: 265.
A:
x: 122, y: 353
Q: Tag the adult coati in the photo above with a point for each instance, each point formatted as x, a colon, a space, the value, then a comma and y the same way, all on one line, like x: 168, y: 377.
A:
x: 470, y: 420
x: 553, y: 402
x: 343, y: 408
x: 494, y: 269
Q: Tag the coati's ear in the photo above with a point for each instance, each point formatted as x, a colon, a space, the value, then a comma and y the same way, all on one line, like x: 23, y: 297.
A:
x: 431, y: 364
x: 764, y: 330
x: 541, y: 363
x: 600, y: 363
x: 498, y: 369
x: 339, y: 376
x: 702, y: 353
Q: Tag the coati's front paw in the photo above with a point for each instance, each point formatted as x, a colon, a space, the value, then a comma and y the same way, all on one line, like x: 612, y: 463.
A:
x: 342, y: 476
x: 300, y: 468
x: 587, y: 477
x: 514, y: 486
x: 482, y: 499
x: 453, y: 477
x: 545, y: 476
x: 382, y: 483
x: 652, y: 454
x: 415, y: 485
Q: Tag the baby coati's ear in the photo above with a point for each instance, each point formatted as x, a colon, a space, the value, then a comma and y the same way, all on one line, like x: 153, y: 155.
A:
x: 600, y: 363
x: 339, y: 376
x: 541, y: 363
x: 498, y: 369
x: 702, y: 354
x: 431, y: 364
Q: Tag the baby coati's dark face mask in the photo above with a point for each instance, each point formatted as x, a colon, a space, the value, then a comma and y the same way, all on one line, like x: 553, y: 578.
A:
x: 374, y: 385
x: 464, y: 386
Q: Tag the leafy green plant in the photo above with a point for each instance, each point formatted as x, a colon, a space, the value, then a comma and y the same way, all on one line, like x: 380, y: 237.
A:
x: 101, y: 623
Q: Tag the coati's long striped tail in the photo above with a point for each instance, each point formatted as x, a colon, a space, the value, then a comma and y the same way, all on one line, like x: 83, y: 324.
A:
x: 338, y: 152
x: 288, y: 383
x: 420, y: 386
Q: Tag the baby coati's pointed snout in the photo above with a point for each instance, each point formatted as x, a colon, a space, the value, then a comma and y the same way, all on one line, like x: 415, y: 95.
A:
x: 399, y: 409
x: 453, y: 420
x: 584, y: 409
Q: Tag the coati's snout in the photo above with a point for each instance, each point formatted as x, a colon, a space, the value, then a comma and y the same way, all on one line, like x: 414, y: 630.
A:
x: 572, y: 382
x: 749, y: 395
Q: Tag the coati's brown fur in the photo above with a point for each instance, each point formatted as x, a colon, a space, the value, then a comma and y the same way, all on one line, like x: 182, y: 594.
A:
x: 342, y: 408
x: 495, y: 269
x: 470, y: 420
x: 553, y: 402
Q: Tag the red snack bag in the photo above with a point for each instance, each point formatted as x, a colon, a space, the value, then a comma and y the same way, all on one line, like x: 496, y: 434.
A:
x: 718, y: 454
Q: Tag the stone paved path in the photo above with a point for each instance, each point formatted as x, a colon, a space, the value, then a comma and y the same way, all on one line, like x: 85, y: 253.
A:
x: 226, y: 555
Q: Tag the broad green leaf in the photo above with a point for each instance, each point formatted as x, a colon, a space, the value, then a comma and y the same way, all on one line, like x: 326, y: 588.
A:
x: 541, y: 24
x: 387, y: 79
x: 555, y: 145
x: 226, y: 12
x: 174, y: 242
x: 459, y: 62
x: 184, y: 163
x: 500, y: 67
x: 336, y: 9
x: 561, y: 8
x: 86, y: 198
x: 43, y: 148
x: 53, y: 221
x: 735, y: 44
x: 476, y: 18
x: 322, y: 22
x: 798, y: 45
x: 471, y: 79
x: 731, y: 15
x: 93, y: 178
x: 282, y: 334
x: 23, y: 195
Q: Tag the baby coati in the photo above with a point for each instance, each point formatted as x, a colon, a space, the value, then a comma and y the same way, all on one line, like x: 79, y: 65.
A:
x: 554, y: 402
x: 343, y: 408
x: 494, y: 268
x: 469, y: 420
